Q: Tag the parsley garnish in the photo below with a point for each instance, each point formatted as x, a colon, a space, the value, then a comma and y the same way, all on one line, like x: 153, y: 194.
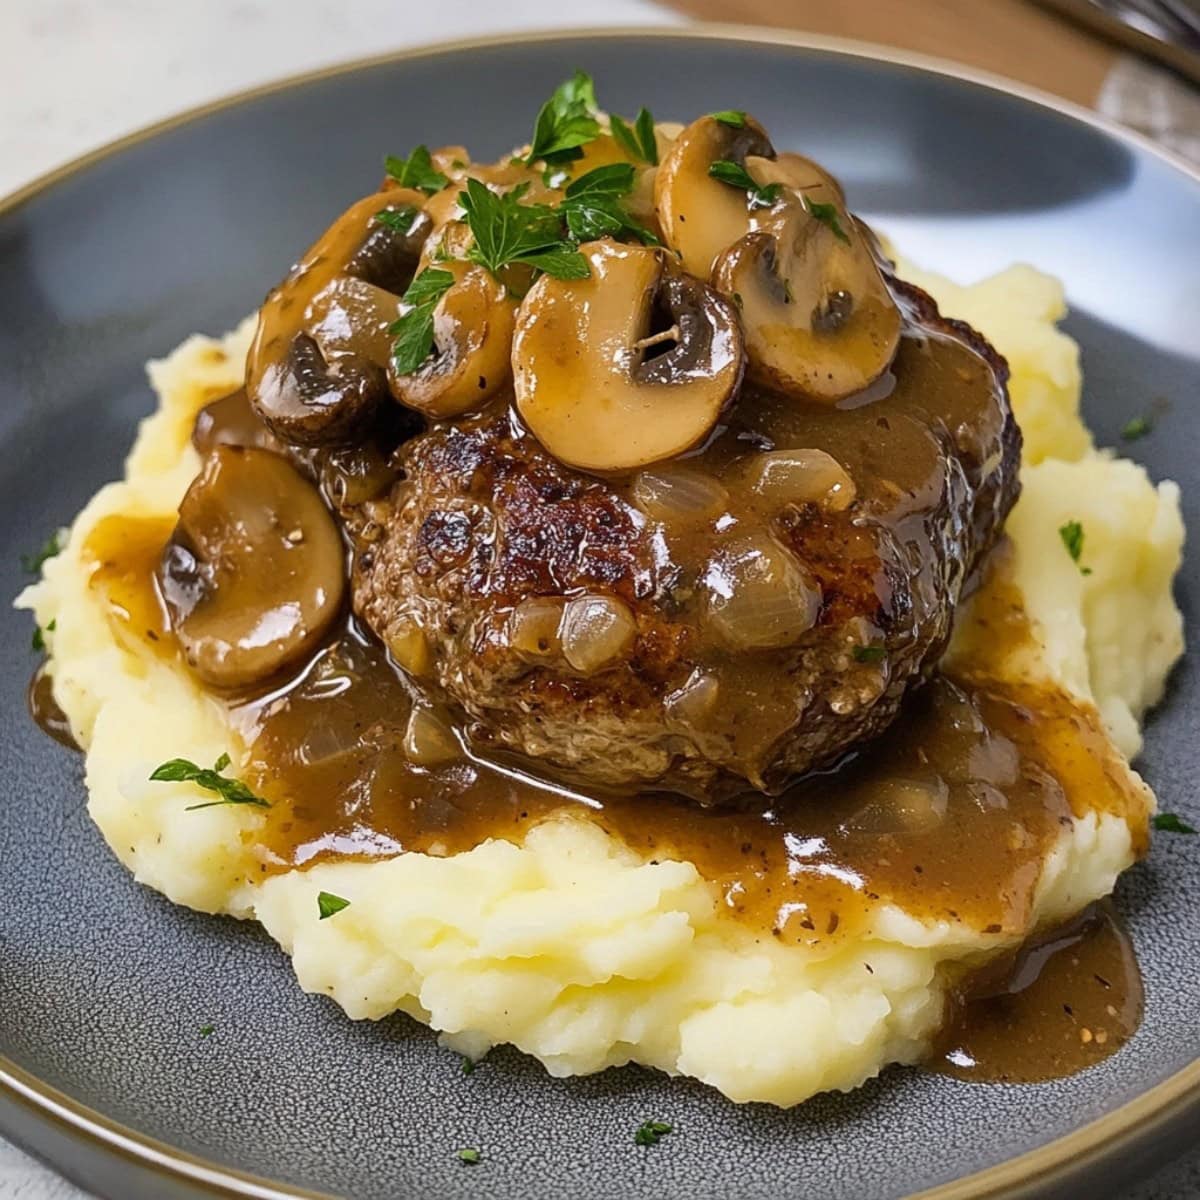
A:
x: 733, y: 117
x: 566, y: 121
x: 32, y: 563
x: 827, y: 214
x: 39, y: 641
x: 1172, y: 823
x: 400, y: 219
x: 507, y: 231
x: 638, y: 141
x: 328, y: 904
x: 416, y: 171
x: 734, y: 174
x: 469, y: 1156
x: 231, y: 791
x: 869, y: 654
x: 1072, y: 538
x: 1136, y: 427
x: 468, y: 1065
x: 206, y: 1030
x: 591, y: 206
x: 649, y: 1132
x: 414, y: 331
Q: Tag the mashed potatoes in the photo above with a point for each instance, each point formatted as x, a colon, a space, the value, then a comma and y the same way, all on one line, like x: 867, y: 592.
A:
x: 570, y: 946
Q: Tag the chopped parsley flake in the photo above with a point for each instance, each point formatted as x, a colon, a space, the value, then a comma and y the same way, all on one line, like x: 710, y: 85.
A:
x: 1072, y: 538
x: 734, y: 174
x: 1136, y: 427
x: 38, y: 641
x: 328, y: 904
x: 649, y: 1132
x: 639, y: 141
x: 507, y: 232
x: 416, y: 171
x: 231, y: 791
x: 733, y: 117
x: 414, y: 330
x: 468, y: 1065
x: 1172, y: 823
x: 827, y: 214
x: 400, y: 218
x: 869, y: 654
x: 32, y: 563
x: 206, y: 1030
x: 469, y: 1156
x: 592, y: 208
x: 565, y: 122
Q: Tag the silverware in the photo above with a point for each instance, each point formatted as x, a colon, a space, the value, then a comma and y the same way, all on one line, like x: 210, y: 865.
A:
x: 1167, y: 30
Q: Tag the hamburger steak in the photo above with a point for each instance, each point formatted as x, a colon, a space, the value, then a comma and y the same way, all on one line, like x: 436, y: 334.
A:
x: 728, y: 620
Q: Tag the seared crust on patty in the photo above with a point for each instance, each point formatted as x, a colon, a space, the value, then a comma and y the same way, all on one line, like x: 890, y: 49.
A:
x: 485, y: 520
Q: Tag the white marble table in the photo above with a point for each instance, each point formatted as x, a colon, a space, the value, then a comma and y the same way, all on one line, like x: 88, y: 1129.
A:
x: 78, y: 73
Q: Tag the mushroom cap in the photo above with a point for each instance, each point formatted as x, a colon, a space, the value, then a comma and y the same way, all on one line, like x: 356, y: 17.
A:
x: 472, y: 344
x: 314, y: 372
x: 700, y: 216
x: 254, y: 573
x: 585, y: 385
x: 820, y: 321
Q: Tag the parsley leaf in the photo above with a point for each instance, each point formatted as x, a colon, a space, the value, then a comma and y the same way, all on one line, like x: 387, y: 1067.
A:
x: 469, y: 1156
x: 468, y: 1065
x: 416, y: 171
x: 1136, y: 427
x: 827, y: 214
x: 32, y: 563
x: 649, y: 1132
x: 328, y: 904
x: 869, y: 654
x: 1172, y: 823
x: 400, y: 219
x: 638, y: 142
x: 231, y: 791
x: 733, y: 117
x: 1072, y: 538
x: 565, y: 122
x: 591, y: 205
x: 38, y: 641
x: 414, y: 330
x: 207, y: 1030
x: 563, y: 263
x: 734, y: 174
x: 506, y: 231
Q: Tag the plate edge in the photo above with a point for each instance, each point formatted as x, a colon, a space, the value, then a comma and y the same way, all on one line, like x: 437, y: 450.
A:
x: 1158, y: 1110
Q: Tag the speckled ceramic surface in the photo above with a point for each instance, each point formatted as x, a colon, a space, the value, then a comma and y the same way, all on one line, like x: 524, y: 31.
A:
x: 104, y: 986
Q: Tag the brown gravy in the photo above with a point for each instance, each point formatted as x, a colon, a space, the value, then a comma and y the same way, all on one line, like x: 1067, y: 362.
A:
x: 1066, y: 1000
x: 46, y: 711
x: 949, y: 814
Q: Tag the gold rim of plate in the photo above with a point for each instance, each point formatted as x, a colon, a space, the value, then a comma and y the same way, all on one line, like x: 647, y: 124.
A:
x: 1024, y: 1176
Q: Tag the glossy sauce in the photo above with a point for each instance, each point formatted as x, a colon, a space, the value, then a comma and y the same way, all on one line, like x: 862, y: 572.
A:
x: 1068, y: 999
x: 46, y: 711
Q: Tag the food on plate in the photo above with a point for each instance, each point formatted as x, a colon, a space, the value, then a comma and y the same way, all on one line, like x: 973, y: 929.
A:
x: 602, y: 603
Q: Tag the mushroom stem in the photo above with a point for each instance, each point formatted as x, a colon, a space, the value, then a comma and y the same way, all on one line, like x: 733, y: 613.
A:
x: 657, y: 339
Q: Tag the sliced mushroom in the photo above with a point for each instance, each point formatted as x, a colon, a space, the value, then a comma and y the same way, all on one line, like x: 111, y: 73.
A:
x: 315, y: 372
x: 253, y: 575
x: 700, y: 216
x: 819, y: 320
x: 472, y: 344
x: 629, y: 366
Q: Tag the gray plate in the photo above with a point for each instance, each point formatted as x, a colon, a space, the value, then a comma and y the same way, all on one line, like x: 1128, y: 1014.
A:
x: 103, y: 985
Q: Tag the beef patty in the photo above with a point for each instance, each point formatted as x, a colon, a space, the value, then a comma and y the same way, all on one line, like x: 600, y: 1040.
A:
x: 732, y: 619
